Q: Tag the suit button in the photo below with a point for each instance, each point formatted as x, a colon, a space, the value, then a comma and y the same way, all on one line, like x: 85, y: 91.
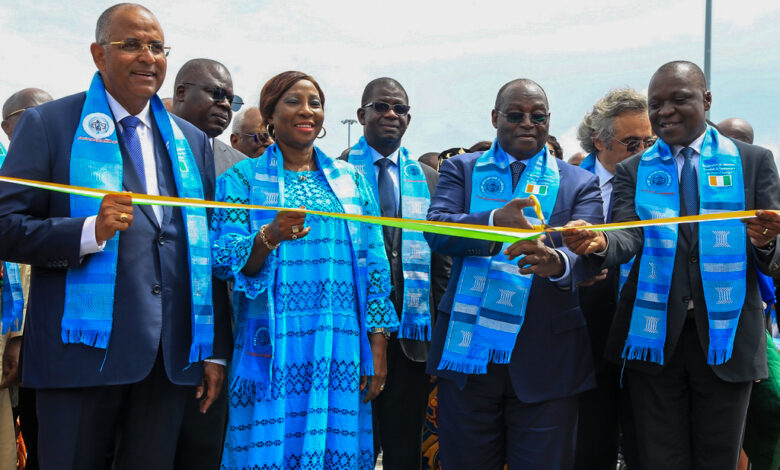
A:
x: 156, y: 289
x: 394, y: 253
x: 161, y: 241
x: 694, y: 260
x: 686, y: 299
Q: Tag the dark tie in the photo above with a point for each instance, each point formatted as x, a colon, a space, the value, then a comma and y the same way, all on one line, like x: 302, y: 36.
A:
x: 133, y: 143
x: 517, y: 171
x: 689, y: 187
x: 386, y: 193
x: 608, y: 215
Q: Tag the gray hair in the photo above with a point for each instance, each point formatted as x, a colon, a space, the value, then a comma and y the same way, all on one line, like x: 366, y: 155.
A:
x: 599, y: 122
x: 238, y: 120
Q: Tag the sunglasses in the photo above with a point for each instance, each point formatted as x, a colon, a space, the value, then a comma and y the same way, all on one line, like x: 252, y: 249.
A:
x: 516, y: 118
x: 218, y: 94
x: 382, y: 108
x: 259, y: 137
x: 633, y: 144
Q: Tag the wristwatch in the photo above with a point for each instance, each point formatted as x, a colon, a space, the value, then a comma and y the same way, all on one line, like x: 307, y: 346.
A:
x: 384, y: 332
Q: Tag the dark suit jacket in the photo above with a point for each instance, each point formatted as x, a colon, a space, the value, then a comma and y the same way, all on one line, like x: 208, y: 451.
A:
x: 552, y: 357
x: 225, y: 156
x: 152, y: 297
x: 440, y: 275
x: 748, y: 361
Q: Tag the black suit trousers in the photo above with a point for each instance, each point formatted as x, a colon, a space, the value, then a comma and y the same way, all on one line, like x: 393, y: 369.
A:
x: 687, y: 417
x: 398, y: 412
x: 118, y: 427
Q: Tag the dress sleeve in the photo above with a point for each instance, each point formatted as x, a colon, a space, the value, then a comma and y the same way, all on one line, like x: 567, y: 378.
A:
x: 232, y: 238
x: 380, y: 312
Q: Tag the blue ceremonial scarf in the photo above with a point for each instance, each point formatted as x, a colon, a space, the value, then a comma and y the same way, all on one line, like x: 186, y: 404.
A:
x: 253, y: 371
x: 96, y: 162
x: 13, y: 297
x: 589, y: 163
x: 722, y: 255
x: 491, y: 297
x: 415, y: 200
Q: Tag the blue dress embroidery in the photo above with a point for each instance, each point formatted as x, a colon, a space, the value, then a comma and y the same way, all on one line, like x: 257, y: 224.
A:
x: 312, y: 416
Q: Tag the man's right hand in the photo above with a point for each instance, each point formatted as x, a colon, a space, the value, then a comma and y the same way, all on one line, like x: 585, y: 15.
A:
x: 584, y: 242
x: 511, y: 214
x: 116, y: 214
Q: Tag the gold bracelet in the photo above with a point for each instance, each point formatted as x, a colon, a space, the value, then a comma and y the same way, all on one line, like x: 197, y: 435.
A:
x: 265, y: 240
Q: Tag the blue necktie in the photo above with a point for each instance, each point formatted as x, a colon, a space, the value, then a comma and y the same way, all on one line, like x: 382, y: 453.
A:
x: 689, y: 187
x: 517, y: 171
x: 133, y: 143
x: 386, y: 193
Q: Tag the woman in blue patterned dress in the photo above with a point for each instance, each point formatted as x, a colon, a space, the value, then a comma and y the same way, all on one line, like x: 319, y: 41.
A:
x: 309, y: 292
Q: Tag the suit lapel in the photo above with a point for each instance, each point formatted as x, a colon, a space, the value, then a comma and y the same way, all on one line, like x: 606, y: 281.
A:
x: 131, y: 181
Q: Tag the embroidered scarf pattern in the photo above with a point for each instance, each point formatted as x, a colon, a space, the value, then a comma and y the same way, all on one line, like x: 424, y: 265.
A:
x: 491, y: 296
x: 416, y: 254
x: 722, y: 255
x: 254, y: 369
x: 589, y: 163
x: 13, y: 297
x: 96, y: 162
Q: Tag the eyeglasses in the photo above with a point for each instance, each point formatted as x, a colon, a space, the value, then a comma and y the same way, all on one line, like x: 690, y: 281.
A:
x: 382, y: 107
x: 218, y: 94
x: 515, y: 118
x: 134, y: 46
x: 259, y: 137
x: 18, y: 111
x: 633, y: 144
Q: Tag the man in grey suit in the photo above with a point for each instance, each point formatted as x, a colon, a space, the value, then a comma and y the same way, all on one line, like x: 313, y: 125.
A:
x: 689, y: 400
x: 203, y: 95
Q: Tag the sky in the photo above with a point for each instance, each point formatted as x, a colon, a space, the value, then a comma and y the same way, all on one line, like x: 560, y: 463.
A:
x: 451, y: 57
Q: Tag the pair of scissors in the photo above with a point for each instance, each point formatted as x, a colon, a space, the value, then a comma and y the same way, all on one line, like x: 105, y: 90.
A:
x: 540, y: 215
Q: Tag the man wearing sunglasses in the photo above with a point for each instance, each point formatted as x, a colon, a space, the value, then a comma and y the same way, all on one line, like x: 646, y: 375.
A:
x: 250, y: 136
x: 120, y: 321
x: 403, y: 187
x: 510, y: 345
x: 616, y: 128
x: 203, y: 95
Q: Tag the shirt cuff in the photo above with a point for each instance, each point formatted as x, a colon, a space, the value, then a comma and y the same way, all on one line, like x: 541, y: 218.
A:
x: 89, y: 242
x: 490, y: 219
x: 566, y: 269
x: 603, y: 253
x: 222, y: 362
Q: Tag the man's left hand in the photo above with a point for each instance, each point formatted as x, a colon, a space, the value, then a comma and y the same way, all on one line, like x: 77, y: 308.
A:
x: 764, y: 228
x: 213, y: 377
x: 538, y: 258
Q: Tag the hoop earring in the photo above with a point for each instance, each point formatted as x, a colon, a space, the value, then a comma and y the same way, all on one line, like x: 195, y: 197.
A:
x: 271, y: 131
x: 324, y: 133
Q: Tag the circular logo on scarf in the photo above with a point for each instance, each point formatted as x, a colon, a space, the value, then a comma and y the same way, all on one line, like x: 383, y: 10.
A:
x: 659, y: 179
x: 412, y: 172
x: 98, y: 125
x: 261, y: 337
x: 492, y: 185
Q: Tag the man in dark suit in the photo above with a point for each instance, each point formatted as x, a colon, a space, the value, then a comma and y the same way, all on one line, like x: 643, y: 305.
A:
x: 118, y: 404
x: 399, y: 411
x: 523, y: 413
x: 203, y: 96
x: 616, y: 128
x: 690, y: 410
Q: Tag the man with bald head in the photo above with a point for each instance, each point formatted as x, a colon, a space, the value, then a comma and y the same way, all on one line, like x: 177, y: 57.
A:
x: 203, y: 95
x: 510, y: 345
x: 121, y: 318
x: 689, y: 329
x: 250, y: 135
x: 736, y: 128
x: 15, y: 105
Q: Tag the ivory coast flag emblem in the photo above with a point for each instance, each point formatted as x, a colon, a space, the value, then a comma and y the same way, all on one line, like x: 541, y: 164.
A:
x: 536, y: 189
x: 724, y: 180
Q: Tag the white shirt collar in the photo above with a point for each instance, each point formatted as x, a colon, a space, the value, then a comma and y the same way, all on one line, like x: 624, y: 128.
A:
x: 695, y: 145
x: 120, y: 112
x: 378, y: 156
x: 602, y: 173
